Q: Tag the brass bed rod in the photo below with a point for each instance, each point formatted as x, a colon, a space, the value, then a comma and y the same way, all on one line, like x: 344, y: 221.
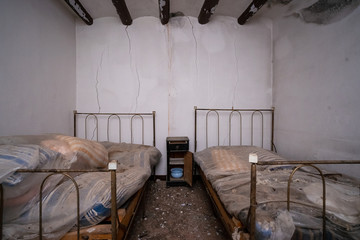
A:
x: 239, y: 111
x: 293, y: 162
x: 300, y: 164
x: 65, y: 172
x: 110, y: 115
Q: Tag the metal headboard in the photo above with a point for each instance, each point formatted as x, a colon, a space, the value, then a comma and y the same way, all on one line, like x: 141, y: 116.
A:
x: 240, y: 113
x: 118, y: 117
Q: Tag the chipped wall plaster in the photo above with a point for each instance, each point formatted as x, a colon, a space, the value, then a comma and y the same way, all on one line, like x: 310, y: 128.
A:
x: 172, y: 68
x: 311, y: 11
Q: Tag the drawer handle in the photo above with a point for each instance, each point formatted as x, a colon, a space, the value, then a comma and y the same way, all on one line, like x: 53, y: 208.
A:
x: 177, y: 142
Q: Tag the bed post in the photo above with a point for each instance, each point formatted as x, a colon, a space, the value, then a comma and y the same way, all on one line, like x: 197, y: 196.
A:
x: 112, y: 167
x: 253, y: 201
x: 1, y: 209
x: 195, y: 141
x: 74, y: 114
x: 272, y: 128
x: 154, y: 141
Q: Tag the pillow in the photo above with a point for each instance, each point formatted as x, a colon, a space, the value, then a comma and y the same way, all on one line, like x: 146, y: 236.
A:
x: 88, y: 153
x: 80, y: 153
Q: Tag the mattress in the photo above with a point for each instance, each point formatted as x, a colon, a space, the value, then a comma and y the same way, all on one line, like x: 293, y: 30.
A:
x: 228, y: 170
x: 59, y: 199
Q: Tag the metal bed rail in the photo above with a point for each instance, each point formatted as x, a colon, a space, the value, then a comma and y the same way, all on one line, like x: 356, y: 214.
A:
x: 299, y: 165
x: 65, y: 172
x: 117, y: 116
x: 233, y: 112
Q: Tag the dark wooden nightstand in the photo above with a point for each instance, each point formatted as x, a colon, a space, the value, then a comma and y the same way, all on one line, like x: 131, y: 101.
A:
x: 178, y: 156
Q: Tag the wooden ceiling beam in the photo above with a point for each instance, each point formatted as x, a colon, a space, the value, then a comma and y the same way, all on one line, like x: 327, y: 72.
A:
x: 250, y: 11
x: 78, y: 8
x: 207, y: 10
x: 164, y: 10
x: 122, y: 11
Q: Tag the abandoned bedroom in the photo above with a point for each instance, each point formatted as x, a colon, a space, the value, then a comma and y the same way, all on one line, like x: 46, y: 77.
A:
x: 180, y: 119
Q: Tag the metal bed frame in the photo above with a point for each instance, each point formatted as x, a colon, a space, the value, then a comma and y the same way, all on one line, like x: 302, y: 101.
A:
x: 298, y: 164
x: 118, y: 116
x: 232, y: 111
x: 115, y: 223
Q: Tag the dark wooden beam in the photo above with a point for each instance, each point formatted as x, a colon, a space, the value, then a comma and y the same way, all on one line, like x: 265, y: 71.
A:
x: 164, y: 9
x: 78, y: 8
x: 207, y: 10
x: 250, y: 11
x: 123, y: 11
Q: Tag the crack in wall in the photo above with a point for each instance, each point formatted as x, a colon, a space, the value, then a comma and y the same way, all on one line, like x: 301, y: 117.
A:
x: 169, y: 46
x: 98, y: 81
x: 99, y: 68
x: 237, y: 72
x: 136, y: 69
x: 209, y: 92
x: 196, y: 48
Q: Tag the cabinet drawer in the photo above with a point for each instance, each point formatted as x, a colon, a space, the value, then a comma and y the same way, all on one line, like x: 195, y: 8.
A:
x: 177, y: 143
x: 178, y: 146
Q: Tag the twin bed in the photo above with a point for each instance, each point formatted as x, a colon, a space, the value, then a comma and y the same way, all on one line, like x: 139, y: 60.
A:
x: 266, y: 199
x: 88, y: 188
x: 271, y: 198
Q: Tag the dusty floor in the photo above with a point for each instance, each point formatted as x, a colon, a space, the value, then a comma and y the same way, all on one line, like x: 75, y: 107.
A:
x: 176, y: 213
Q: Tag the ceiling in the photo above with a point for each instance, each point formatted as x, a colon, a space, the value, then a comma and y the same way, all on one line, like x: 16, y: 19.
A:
x: 314, y: 11
x: 140, y: 8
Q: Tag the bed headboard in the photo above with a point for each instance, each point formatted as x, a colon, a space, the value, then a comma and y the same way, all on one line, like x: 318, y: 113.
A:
x: 245, y: 126
x: 112, y: 127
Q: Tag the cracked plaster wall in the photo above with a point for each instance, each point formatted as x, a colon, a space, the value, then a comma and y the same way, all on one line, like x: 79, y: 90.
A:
x: 316, y: 90
x: 172, y: 68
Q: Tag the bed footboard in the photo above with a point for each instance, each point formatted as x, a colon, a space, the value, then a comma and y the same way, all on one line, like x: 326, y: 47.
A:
x: 298, y: 165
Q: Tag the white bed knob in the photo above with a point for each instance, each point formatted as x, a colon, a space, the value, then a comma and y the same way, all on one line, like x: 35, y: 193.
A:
x: 253, y: 158
x: 112, y: 165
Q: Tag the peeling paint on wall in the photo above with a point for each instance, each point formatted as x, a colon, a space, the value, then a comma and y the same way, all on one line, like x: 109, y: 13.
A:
x: 327, y: 11
x: 314, y: 11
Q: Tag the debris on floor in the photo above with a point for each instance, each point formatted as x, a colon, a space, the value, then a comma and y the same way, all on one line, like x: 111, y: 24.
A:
x: 176, y: 213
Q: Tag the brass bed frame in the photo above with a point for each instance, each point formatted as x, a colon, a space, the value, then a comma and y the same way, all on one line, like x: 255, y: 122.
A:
x: 117, y: 226
x: 230, y: 222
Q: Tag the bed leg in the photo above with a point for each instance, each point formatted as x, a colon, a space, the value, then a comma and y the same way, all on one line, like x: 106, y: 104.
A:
x: 253, y: 202
x: 113, y: 205
x: 1, y: 209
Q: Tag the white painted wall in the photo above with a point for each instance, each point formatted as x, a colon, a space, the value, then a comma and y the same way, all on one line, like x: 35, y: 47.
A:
x: 172, y: 68
x: 316, y: 90
x: 37, y: 67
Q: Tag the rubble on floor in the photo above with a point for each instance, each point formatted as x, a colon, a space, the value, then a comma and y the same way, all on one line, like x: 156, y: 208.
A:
x: 176, y: 213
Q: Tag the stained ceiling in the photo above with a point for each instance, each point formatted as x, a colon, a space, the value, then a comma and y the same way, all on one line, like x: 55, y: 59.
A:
x: 313, y: 11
